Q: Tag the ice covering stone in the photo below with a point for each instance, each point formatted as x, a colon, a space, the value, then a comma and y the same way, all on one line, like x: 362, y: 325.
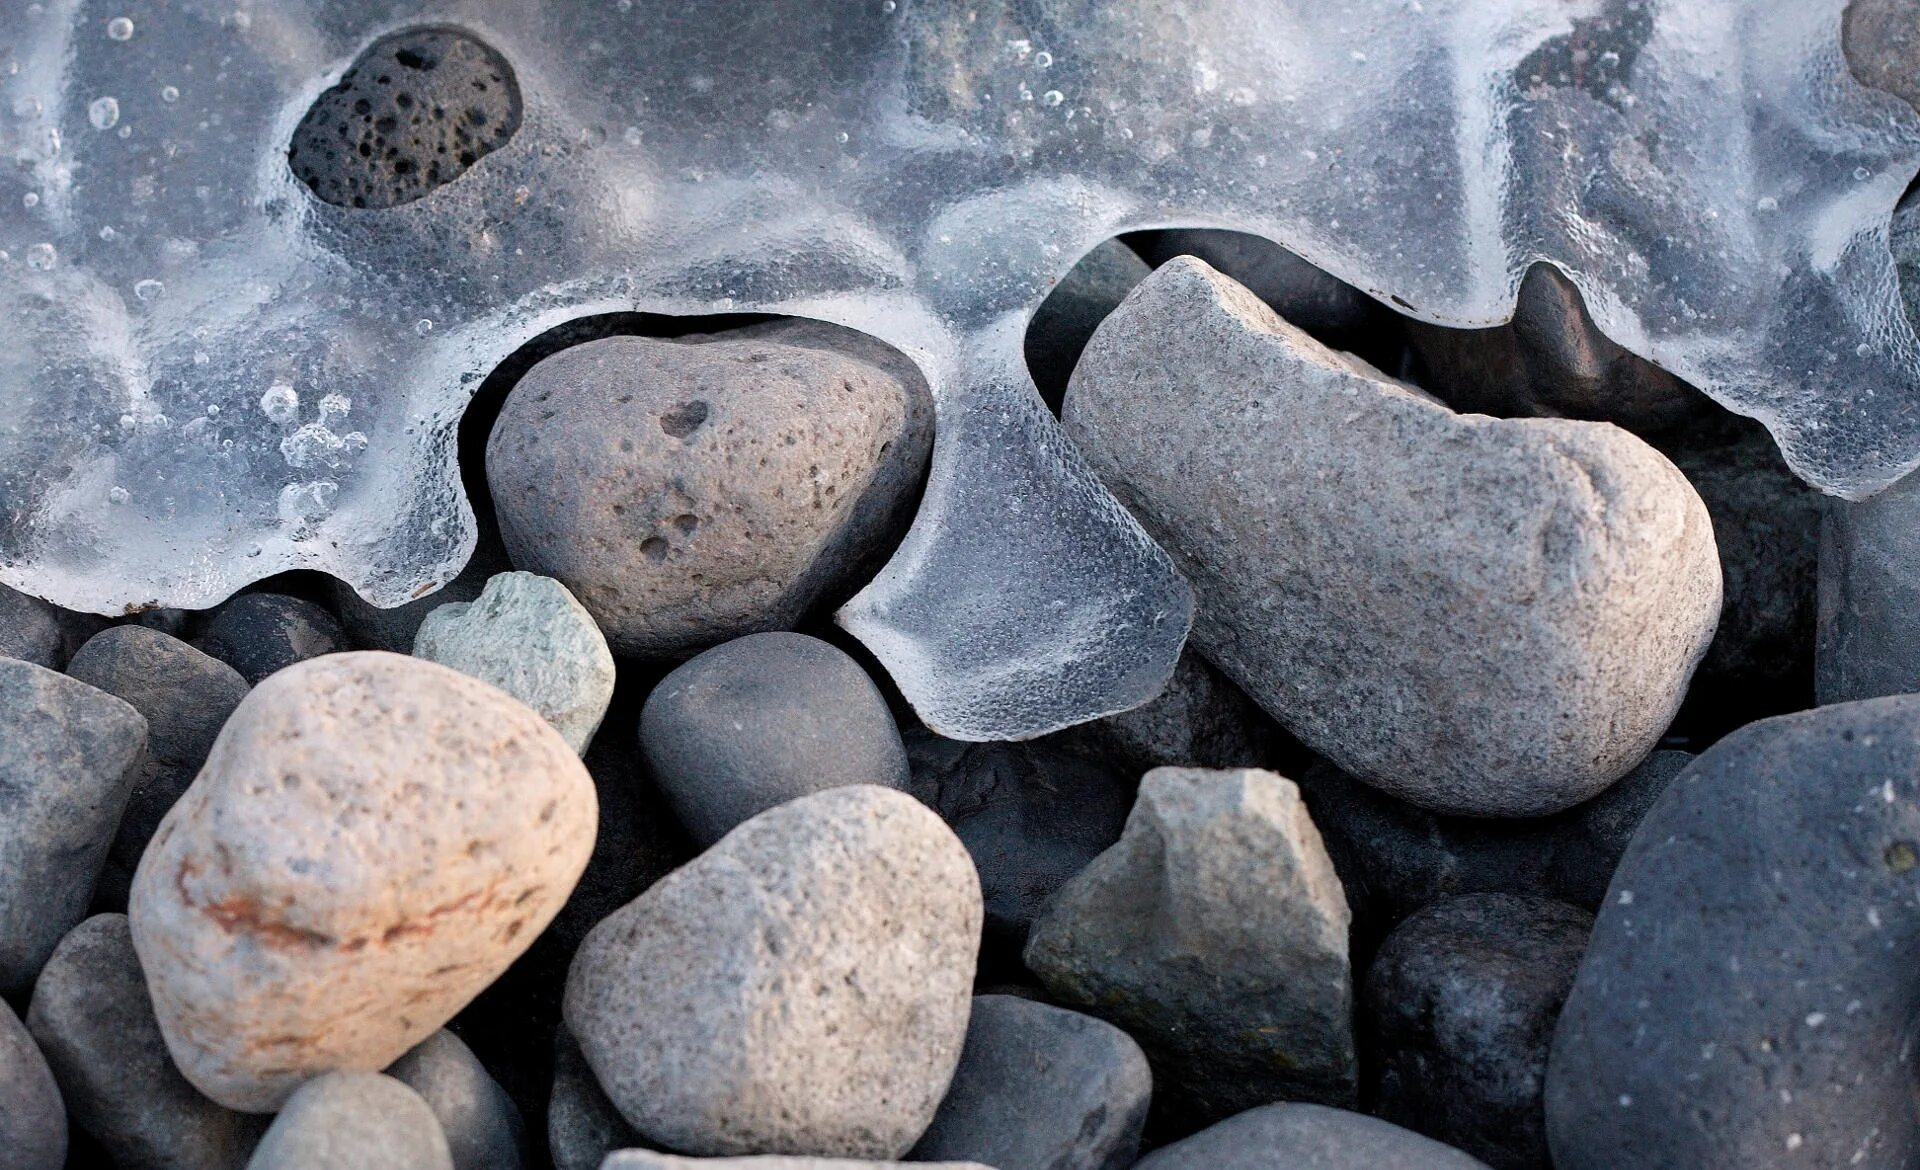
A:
x: 212, y: 375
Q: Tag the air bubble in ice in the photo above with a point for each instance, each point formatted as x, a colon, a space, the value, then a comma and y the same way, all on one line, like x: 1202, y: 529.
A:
x: 103, y: 113
x: 120, y: 28
x: 42, y: 257
x: 1043, y: 59
x: 1052, y: 97
x: 30, y: 200
x: 118, y: 495
x: 313, y: 445
x: 423, y: 326
x: 149, y: 289
x: 281, y: 403
x: 169, y: 94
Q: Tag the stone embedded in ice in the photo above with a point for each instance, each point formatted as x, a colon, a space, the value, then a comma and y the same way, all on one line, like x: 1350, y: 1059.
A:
x: 1705, y: 171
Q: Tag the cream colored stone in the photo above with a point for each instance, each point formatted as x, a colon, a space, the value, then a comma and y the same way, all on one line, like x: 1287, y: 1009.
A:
x: 373, y: 840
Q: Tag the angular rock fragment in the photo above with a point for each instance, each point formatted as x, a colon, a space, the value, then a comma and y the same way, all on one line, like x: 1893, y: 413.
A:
x: 1483, y: 616
x: 1215, y: 934
x: 1306, y: 1137
x: 353, y: 1121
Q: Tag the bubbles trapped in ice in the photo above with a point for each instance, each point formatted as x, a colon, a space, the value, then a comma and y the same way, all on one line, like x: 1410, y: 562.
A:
x: 1428, y: 152
x: 103, y: 113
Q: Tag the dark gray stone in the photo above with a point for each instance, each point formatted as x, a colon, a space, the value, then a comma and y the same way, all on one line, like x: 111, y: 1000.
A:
x: 1199, y: 721
x: 1748, y: 995
x: 481, y: 1125
x: 1868, y: 643
x: 260, y: 633
x: 93, y: 1019
x: 353, y: 1121
x: 33, y: 1119
x: 1882, y: 43
x: 761, y: 720
x: 583, y: 1126
x: 1041, y: 1088
x: 1458, y: 1010
x: 31, y: 630
x: 1031, y: 815
x: 185, y: 696
x: 1074, y: 309
x: 1306, y: 1137
x: 68, y: 757
x: 412, y: 113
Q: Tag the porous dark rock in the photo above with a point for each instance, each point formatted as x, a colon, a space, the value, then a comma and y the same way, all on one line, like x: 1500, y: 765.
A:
x: 1074, y: 309
x: 69, y: 754
x: 481, y: 1125
x: 1306, y: 1137
x: 260, y: 633
x: 33, y: 1119
x: 413, y: 112
x: 1215, y: 934
x: 1458, y: 1010
x: 701, y: 488
x: 583, y: 1126
x: 1041, y: 1088
x: 1747, y: 994
x: 92, y: 1017
x: 185, y: 697
x: 353, y: 1121
x: 761, y: 720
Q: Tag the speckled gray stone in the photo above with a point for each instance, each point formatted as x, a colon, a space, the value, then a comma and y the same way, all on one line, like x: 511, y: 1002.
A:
x: 528, y: 636
x: 33, y: 1119
x: 1316, y: 301
x: 1215, y: 933
x: 763, y: 719
x: 696, y: 489
x: 482, y: 1127
x: 353, y: 1121
x: 1306, y: 1137
x: 69, y: 754
x: 583, y: 1127
x: 260, y: 633
x: 1482, y: 616
x: 92, y: 1017
x: 802, y: 987
x: 1041, y: 1088
x: 647, y: 1160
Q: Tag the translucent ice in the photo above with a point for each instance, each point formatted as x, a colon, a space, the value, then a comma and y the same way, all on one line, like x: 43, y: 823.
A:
x: 1704, y: 170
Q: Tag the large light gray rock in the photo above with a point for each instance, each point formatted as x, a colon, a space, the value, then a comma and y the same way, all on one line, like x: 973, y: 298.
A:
x: 528, y: 636
x: 482, y: 1127
x: 1215, y: 933
x: 647, y: 1160
x: 353, y: 1121
x: 92, y: 1017
x: 69, y: 754
x: 33, y: 1119
x: 695, y: 489
x: 374, y: 839
x: 1485, y: 616
x: 1041, y: 1088
x: 1306, y: 1137
x: 802, y: 987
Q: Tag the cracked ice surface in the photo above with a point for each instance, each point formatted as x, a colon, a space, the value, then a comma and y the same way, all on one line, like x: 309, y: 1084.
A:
x: 209, y: 376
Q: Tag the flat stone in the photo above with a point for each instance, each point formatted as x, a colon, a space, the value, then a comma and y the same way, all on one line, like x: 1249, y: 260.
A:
x: 1482, y: 616
x: 1074, y: 309
x: 647, y: 1160
x: 260, y: 633
x: 1458, y: 1010
x: 761, y: 720
x: 527, y: 635
x: 802, y: 987
x: 1215, y: 933
x: 69, y: 754
x: 1748, y: 994
x: 1041, y: 1088
x: 1306, y: 1137
x: 92, y: 1017
x: 482, y: 1127
x: 583, y: 1127
x: 185, y: 697
x: 33, y: 1119
x: 353, y: 1121
x: 696, y: 489
x: 374, y: 839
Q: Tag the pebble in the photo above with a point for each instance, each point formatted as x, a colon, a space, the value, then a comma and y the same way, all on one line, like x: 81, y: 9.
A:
x: 260, y: 633
x: 583, y: 1127
x: 69, y: 754
x: 1748, y: 994
x: 92, y: 1017
x: 1031, y: 815
x: 1041, y: 1088
x: 692, y: 490
x: 1199, y: 721
x: 802, y: 987
x: 1074, y: 309
x: 763, y: 719
x: 353, y: 1121
x: 1868, y: 644
x: 34, y: 631
x: 185, y: 697
x: 414, y: 112
x: 527, y: 635
x: 647, y: 1160
x: 482, y: 1127
x: 1215, y: 933
x: 1306, y: 1137
x: 1494, y: 618
x: 33, y: 1119
x: 1882, y: 46
x: 373, y: 840
x: 1458, y: 1009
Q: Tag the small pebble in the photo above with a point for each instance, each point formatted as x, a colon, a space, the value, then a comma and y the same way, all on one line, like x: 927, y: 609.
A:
x: 353, y: 1121
x: 482, y: 1127
x: 259, y: 633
